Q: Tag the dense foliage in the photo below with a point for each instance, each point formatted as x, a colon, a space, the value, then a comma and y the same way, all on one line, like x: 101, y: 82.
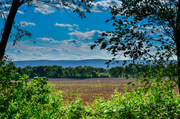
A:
x: 39, y: 99
x: 91, y: 72
x: 60, y: 72
x: 77, y: 72
x: 144, y: 30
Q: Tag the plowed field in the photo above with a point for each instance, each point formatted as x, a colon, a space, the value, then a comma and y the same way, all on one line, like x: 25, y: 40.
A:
x: 90, y: 89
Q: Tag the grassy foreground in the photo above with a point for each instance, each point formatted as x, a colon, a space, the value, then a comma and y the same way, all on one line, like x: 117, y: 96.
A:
x: 39, y: 99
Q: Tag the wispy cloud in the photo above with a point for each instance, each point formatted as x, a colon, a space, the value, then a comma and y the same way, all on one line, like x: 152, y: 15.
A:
x: 76, y: 25
x: 63, y: 25
x: 94, y: 34
x: 98, y: 6
x: 68, y: 50
x: 49, y: 39
x: 70, y: 27
x: 25, y: 23
x: 20, y: 12
x: 44, y: 9
x: 103, y: 5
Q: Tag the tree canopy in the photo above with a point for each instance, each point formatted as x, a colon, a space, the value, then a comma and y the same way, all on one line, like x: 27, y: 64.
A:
x: 144, y: 29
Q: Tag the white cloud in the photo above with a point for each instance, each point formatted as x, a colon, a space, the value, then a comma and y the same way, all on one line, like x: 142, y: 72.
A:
x: 63, y: 25
x: 55, y: 50
x: 25, y: 23
x: 73, y: 42
x: 153, y: 30
x: 44, y: 9
x: 49, y: 39
x: 99, y: 6
x: 67, y: 25
x: 20, y: 51
x: 66, y: 50
x: 37, y: 48
x: 20, y: 12
x: 76, y: 25
x: 86, y: 35
x: 70, y: 29
x: 103, y: 5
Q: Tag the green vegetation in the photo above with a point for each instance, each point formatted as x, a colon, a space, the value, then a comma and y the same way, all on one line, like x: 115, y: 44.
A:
x: 39, y: 99
x: 144, y: 30
x: 60, y: 72
x: 91, y: 72
x: 156, y: 99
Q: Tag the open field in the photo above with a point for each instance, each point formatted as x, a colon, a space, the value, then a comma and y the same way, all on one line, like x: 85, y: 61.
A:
x: 90, y: 89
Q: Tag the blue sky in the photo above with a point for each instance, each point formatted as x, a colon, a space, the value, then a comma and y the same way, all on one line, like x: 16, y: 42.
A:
x: 61, y: 35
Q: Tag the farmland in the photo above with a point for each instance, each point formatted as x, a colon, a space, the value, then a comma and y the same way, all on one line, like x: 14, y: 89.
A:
x: 90, y: 89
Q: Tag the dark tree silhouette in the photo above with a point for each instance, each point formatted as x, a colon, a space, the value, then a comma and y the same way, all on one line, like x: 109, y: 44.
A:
x: 143, y: 26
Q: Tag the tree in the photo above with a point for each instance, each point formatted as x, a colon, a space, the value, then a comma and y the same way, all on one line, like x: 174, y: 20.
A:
x: 14, y: 5
x: 116, y: 71
x: 143, y: 26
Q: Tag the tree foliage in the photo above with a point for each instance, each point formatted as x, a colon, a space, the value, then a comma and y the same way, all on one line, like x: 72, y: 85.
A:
x: 144, y: 29
x: 139, y: 25
x: 130, y: 70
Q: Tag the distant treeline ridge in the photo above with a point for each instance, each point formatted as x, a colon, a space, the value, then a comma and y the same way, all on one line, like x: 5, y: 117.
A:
x: 81, y: 72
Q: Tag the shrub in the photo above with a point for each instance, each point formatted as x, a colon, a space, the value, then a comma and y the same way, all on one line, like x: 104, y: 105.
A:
x: 23, y: 99
x: 157, y: 102
x: 35, y: 99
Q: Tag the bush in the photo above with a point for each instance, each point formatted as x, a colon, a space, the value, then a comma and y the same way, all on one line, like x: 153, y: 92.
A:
x: 158, y: 102
x: 36, y: 99
x: 23, y: 99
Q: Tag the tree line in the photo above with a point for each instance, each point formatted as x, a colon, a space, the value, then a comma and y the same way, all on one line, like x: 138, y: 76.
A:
x: 88, y: 71
x: 70, y: 72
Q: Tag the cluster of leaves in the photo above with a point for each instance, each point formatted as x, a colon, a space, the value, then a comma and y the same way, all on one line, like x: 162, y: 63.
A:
x: 30, y: 100
x: 159, y: 69
x: 140, y: 28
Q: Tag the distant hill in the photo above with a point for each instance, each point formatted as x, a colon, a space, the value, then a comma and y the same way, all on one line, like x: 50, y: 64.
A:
x: 67, y: 63
x: 70, y: 63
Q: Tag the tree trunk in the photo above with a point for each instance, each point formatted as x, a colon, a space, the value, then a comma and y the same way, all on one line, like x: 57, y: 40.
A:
x: 8, y: 27
x: 177, y: 36
x: 178, y: 57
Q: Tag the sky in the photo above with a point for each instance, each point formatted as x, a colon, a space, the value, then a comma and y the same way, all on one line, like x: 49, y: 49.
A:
x: 61, y: 35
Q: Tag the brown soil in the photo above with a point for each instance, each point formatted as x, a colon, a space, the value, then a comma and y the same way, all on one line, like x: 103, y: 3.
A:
x: 90, y: 89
